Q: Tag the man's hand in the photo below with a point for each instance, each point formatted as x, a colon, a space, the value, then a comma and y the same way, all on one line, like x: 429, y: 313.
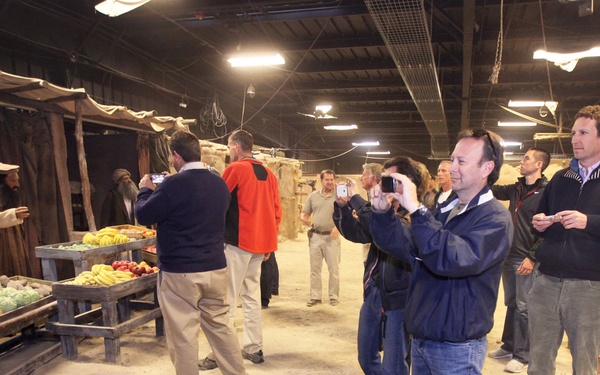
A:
x: 406, y: 193
x: 146, y: 182
x: 572, y: 219
x: 540, y: 223
x: 266, y: 257
x: 22, y: 212
x: 380, y: 201
x: 526, y: 267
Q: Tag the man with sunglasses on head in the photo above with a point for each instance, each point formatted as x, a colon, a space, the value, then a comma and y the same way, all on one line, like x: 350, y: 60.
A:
x: 457, y: 260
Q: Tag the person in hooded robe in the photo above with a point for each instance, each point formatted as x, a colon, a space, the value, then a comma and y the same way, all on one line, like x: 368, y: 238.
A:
x: 118, y: 207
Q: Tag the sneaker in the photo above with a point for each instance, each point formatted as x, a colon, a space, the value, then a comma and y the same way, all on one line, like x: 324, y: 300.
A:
x: 500, y: 353
x: 334, y: 302
x: 254, y: 357
x: 207, y: 364
x: 313, y: 302
x: 515, y: 366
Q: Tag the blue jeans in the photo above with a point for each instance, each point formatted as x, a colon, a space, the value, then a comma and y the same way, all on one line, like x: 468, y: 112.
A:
x: 451, y: 358
x: 557, y: 306
x: 372, y: 334
x: 516, y: 289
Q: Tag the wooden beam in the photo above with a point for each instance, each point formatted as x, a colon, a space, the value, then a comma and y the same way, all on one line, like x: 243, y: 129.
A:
x: 68, y: 98
x: 59, y: 143
x: 31, y: 86
x: 83, y: 170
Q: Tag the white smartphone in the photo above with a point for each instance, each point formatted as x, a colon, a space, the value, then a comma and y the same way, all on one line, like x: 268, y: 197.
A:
x: 342, y: 190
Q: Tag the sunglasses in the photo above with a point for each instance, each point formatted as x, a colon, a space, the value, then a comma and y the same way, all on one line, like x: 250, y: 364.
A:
x: 480, y: 133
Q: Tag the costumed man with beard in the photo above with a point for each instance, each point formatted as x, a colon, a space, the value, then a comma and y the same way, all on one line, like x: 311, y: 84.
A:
x: 120, y: 201
x: 14, y: 257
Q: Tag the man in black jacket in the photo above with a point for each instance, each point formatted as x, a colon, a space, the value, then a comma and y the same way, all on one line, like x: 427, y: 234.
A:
x: 566, y: 289
x: 524, y: 196
x: 386, y: 280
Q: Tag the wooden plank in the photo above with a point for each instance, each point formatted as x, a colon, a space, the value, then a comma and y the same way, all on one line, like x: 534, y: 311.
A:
x: 59, y: 143
x: 83, y: 170
x: 29, y: 358
x: 104, y: 293
x: 27, y: 318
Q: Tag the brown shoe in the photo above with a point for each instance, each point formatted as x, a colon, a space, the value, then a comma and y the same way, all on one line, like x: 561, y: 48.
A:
x: 313, y: 302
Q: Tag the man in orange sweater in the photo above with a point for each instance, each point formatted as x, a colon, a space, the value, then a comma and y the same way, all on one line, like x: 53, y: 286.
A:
x: 251, y: 228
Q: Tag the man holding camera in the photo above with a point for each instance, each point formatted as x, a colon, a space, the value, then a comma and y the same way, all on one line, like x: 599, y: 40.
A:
x: 457, y: 260
x: 324, y: 239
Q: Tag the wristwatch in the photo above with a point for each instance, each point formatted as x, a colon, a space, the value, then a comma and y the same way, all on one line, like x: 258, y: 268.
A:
x: 420, y: 211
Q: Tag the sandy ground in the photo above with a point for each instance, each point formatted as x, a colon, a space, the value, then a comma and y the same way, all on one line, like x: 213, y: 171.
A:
x: 297, y: 339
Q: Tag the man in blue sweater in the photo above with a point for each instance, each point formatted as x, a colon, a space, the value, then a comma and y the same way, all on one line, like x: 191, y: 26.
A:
x: 457, y: 260
x: 189, y: 208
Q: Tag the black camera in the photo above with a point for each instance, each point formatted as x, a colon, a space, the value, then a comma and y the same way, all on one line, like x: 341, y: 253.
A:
x: 388, y: 184
x: 157, y: 178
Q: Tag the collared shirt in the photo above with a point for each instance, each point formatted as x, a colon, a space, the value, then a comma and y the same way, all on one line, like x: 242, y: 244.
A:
x: 586, y: 172
x: 193, y: 165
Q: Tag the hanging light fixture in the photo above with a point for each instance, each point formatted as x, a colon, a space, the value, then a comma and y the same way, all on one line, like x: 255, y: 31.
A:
x: 114, y: 8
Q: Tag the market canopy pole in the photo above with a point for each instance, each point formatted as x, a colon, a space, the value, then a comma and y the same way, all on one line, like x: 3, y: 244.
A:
x: 83, y: 170
x: 59, y: 143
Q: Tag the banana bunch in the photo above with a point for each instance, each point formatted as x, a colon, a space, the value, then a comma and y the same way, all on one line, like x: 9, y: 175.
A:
x: 120, y: 238
x: 105, y: 237
x: 90, y: 239
x: 103, y: 275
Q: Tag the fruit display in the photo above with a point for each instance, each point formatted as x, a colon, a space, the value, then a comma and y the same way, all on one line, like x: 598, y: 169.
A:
x: 140, y: 269
x: 107, y: 275
x: 19, y: 293
x: 105, y: 237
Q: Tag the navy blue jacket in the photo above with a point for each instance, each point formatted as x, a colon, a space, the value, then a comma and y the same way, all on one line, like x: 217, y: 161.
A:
x: 189, y: 208
x: 571, y: 253
x: 457, y: 266
x: 390, y: 275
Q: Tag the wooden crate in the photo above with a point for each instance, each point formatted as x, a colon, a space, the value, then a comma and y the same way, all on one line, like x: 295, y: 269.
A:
x: 116, y: 304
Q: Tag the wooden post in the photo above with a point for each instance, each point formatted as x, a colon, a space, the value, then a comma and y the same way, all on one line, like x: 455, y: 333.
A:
x: 59, y: 143
x: 83, y: 170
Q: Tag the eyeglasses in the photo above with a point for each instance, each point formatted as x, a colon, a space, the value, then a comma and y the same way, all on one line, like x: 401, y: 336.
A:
x: 480, y: 133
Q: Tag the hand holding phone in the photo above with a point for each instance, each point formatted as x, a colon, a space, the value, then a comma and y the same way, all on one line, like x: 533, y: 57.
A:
x: 388, y: 184
x: 157, y: 178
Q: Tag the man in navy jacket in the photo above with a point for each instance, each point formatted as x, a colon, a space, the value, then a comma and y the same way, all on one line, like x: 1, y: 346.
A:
x: 189, y: 208
x: 457, y: 261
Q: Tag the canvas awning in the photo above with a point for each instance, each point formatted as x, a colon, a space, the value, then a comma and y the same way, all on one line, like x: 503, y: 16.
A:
x: 34, y: 93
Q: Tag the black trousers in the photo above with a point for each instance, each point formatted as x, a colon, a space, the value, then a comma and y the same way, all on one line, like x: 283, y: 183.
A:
x: 269, y: 276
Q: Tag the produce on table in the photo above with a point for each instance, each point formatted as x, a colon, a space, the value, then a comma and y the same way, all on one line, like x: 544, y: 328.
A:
x: 105, y: 237
x: 18, y: 293
x: 137, y: 269
x: 78, y: 246
x: 101, y: 274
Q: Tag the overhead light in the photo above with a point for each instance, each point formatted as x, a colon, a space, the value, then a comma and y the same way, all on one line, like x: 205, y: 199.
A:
x: 340, y: 127
x: 566, y: 61
x: 369, y: 143
x: 114, y: 8
x: 378, y: 152
x: 508, y: 153
x: 256, y: 60
x: 531, y: 103
x: 509, y: 144
x: 516, y: 123
x: 323, y: 108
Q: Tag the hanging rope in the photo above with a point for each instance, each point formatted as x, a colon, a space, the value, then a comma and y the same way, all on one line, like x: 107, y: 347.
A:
x: 500, y: 45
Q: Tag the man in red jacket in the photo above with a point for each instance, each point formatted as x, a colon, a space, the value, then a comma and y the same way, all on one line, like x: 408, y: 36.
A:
x: 251, y: 228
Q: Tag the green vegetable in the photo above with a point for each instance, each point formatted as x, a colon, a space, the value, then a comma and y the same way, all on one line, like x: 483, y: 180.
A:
x: 7, y: 304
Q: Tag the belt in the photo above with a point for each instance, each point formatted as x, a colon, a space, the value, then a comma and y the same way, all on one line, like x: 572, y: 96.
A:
x: 322, y: 233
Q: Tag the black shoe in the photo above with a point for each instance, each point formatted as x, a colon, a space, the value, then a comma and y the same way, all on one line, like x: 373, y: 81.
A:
x: 207, y: 364
x: 255, y: 358
x: 275, y: 293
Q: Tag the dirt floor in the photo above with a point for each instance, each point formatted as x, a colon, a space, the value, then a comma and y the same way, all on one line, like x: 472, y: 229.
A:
x: 297, y: 339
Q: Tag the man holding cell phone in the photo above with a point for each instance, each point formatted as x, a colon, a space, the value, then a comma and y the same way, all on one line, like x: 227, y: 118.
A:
x: 119, y: 204
x: 566, y: 289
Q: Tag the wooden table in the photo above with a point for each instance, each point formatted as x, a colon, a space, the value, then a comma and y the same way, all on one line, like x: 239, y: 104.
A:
x: 116, y: 303
x: 84, y: 259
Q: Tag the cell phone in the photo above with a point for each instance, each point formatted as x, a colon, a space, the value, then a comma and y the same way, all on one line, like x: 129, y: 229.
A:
x: 157, y: 178
x: 342, y: 190
x: 550, y: 218
x: 388, y: 184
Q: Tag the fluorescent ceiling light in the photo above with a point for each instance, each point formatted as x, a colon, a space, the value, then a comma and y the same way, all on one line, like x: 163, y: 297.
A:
x: 256, y: 60
x: 508, y: 144
x: 114, y: 8
x: 378, y: 152
x: 508, y: 153
x: 323, y: 108
x: 531, y: 103
x: 566, y: 61
x: 369, y: 143
x: 340, y: 127
x: 516, y: 123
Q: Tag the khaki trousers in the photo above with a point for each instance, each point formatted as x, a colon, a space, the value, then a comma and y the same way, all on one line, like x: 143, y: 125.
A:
x: 190, y: 301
